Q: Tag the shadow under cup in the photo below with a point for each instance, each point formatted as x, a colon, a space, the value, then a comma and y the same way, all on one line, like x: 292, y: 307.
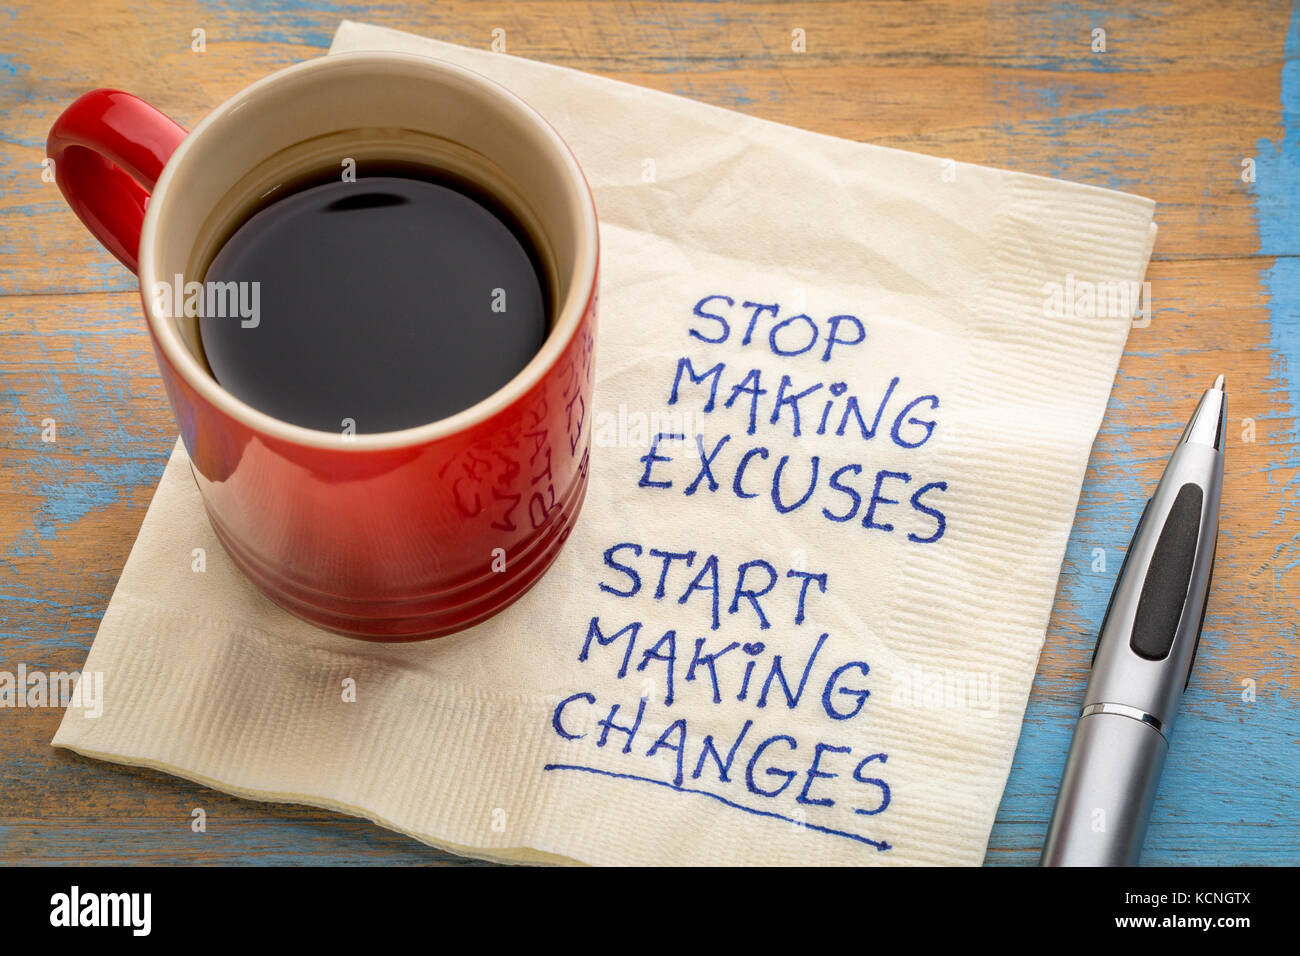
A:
x: 398, y: 535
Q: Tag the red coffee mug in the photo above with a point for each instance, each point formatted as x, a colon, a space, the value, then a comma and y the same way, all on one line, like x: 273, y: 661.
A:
x: 394, y: 536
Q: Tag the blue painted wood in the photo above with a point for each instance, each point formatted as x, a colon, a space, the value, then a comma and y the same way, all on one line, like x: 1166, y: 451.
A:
x: 1230, y: 793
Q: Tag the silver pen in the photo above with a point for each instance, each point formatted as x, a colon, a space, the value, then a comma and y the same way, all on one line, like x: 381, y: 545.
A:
x: 1143, y: 659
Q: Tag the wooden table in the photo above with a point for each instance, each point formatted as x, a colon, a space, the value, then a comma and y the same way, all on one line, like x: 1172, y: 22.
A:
x: 1173, y: 109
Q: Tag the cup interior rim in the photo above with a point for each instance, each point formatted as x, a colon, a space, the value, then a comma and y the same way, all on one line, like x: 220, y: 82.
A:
x: 568, y: 313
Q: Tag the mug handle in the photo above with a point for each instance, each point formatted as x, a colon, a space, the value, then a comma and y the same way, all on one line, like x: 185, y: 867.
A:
x: 109, y: 148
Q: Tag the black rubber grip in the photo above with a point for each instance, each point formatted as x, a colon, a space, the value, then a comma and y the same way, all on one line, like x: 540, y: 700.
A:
x: 1165, y: 590
x: 1120, y: 577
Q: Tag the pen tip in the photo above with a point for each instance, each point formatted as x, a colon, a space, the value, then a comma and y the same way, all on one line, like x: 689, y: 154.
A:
x: 1218, y: 383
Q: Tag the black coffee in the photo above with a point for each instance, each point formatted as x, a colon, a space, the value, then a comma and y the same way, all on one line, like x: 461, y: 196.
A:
x: 387, y: 302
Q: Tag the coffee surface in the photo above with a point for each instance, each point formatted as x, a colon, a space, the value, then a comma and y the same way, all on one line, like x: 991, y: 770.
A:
x: 384, y: 303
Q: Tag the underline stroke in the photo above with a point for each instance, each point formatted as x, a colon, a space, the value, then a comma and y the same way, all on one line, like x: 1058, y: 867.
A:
x: 878, y: 844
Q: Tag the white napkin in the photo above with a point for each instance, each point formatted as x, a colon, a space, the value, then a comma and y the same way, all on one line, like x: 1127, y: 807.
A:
x: 861, y: 703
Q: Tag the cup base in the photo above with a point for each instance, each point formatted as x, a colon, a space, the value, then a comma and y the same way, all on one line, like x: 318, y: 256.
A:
x: 382, y: 621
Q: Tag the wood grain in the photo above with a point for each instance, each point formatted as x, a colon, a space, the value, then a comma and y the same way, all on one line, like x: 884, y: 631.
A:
x: 1180, y: 97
